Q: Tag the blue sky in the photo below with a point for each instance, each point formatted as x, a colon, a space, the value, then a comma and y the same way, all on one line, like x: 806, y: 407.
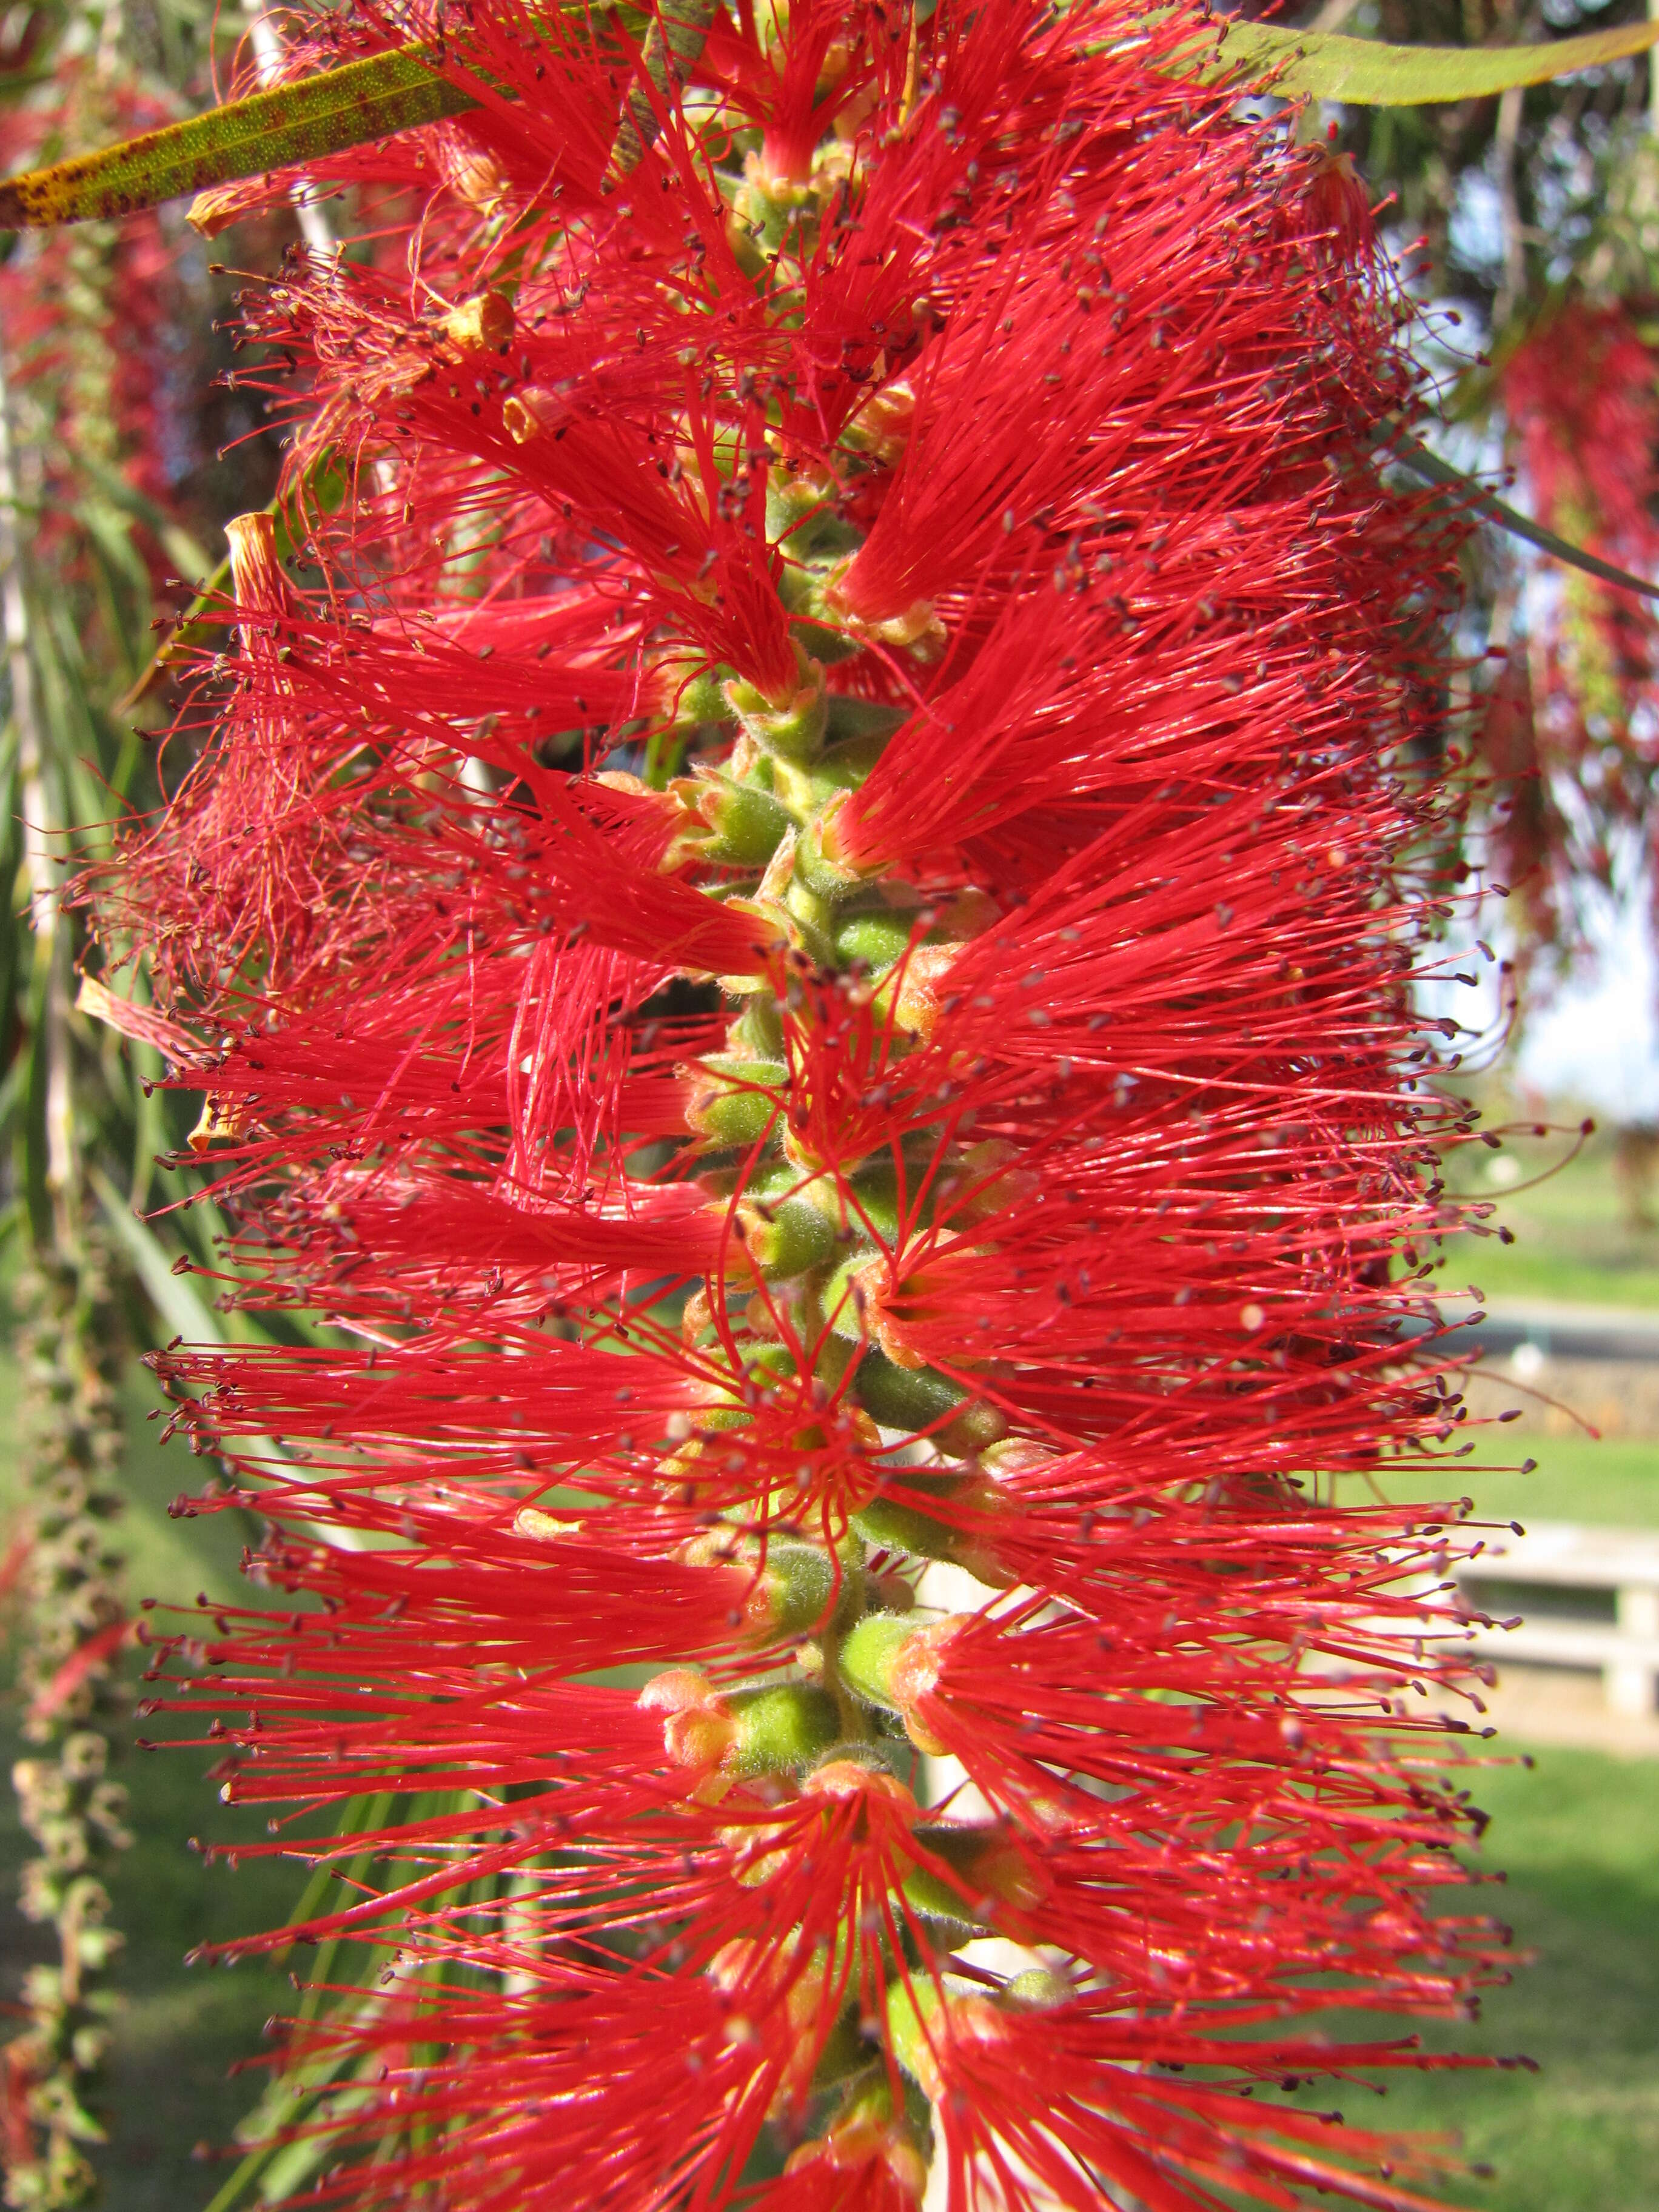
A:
x: 1599, y: 1041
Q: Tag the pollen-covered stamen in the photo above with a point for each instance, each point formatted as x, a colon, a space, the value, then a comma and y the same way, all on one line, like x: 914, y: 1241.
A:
x: 483, y: 323
x: 255, y: 573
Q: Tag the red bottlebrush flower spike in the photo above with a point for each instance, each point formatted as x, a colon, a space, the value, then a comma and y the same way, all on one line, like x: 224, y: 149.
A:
x: 1574, y: 702
x: 806, y: 958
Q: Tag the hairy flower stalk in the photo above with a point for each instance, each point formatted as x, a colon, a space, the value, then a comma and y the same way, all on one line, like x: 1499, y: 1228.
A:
x: 802, y: 960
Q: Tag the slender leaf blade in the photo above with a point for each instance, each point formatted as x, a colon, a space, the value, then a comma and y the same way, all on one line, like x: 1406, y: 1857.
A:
x: 324, y: 487
x: 181, y: 1307
x: 1433, y: 469
x: 1366, y: 73
x: 276, y: 129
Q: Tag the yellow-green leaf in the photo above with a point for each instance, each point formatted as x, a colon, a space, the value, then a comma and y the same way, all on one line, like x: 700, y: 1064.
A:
x: 361, y: 102
x: 1367, y: 74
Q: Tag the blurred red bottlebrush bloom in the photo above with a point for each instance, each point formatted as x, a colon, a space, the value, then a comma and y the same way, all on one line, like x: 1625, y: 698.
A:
x: 805, y: 952
x: 96, y: 341
x: 1577, y: 701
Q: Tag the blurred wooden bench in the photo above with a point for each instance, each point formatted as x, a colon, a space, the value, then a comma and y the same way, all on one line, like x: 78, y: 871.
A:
x: 1619, y: 1563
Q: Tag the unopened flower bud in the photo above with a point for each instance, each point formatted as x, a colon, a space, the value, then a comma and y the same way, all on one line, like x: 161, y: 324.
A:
x: 985, y: 1876
x: 1037, y: 1989
x: 736, y: 825
x: 920, y: 1399
x: 890, y: 1662
x: 794, y: 1589
x: 879, y: 939
x: 902, y: 1519
x: 735, y: 1101
x: 778, y: 1728
x: 785, y: 1240
x: 792, y: 727
x: 801, y: 517
x: 825, y: 878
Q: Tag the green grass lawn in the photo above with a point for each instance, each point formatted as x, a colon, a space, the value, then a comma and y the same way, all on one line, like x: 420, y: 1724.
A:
x: 1574, y: 1238
x: 1579, y: 1837
x: 1613, y: 1483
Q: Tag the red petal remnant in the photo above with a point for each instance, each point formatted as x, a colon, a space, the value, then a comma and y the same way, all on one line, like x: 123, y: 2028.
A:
x: 805, y: 952
x: 1338, y: 206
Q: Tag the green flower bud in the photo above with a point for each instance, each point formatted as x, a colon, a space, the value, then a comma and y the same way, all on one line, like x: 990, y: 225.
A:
x: 745, y: 824
x: 869, y: 1652
x: 793, y: 727
x: 691, y: 693
x: 844, y: 1297
x: 801, y: 519
x: 898, y: 1524
x: 915, y: 1398
x: 1037, y: 1989
x: 783, y: 1729
x: 730, y: 1099
x: 858, y: 730
x: 923, y: 2019
x: 991, y: 1870
x: 878, y: 939
x: 788, y: 1239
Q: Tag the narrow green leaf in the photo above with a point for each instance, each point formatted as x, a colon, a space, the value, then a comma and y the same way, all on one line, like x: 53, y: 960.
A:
x: 180, y: 1308
x: 1431, y: 469
x: 1365, y: 73
x: 272, y: 130
x: 323, y: 489
x: 187, y: 556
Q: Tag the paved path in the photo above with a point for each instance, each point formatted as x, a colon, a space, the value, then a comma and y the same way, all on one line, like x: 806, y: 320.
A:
x: 1569, y: 1332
